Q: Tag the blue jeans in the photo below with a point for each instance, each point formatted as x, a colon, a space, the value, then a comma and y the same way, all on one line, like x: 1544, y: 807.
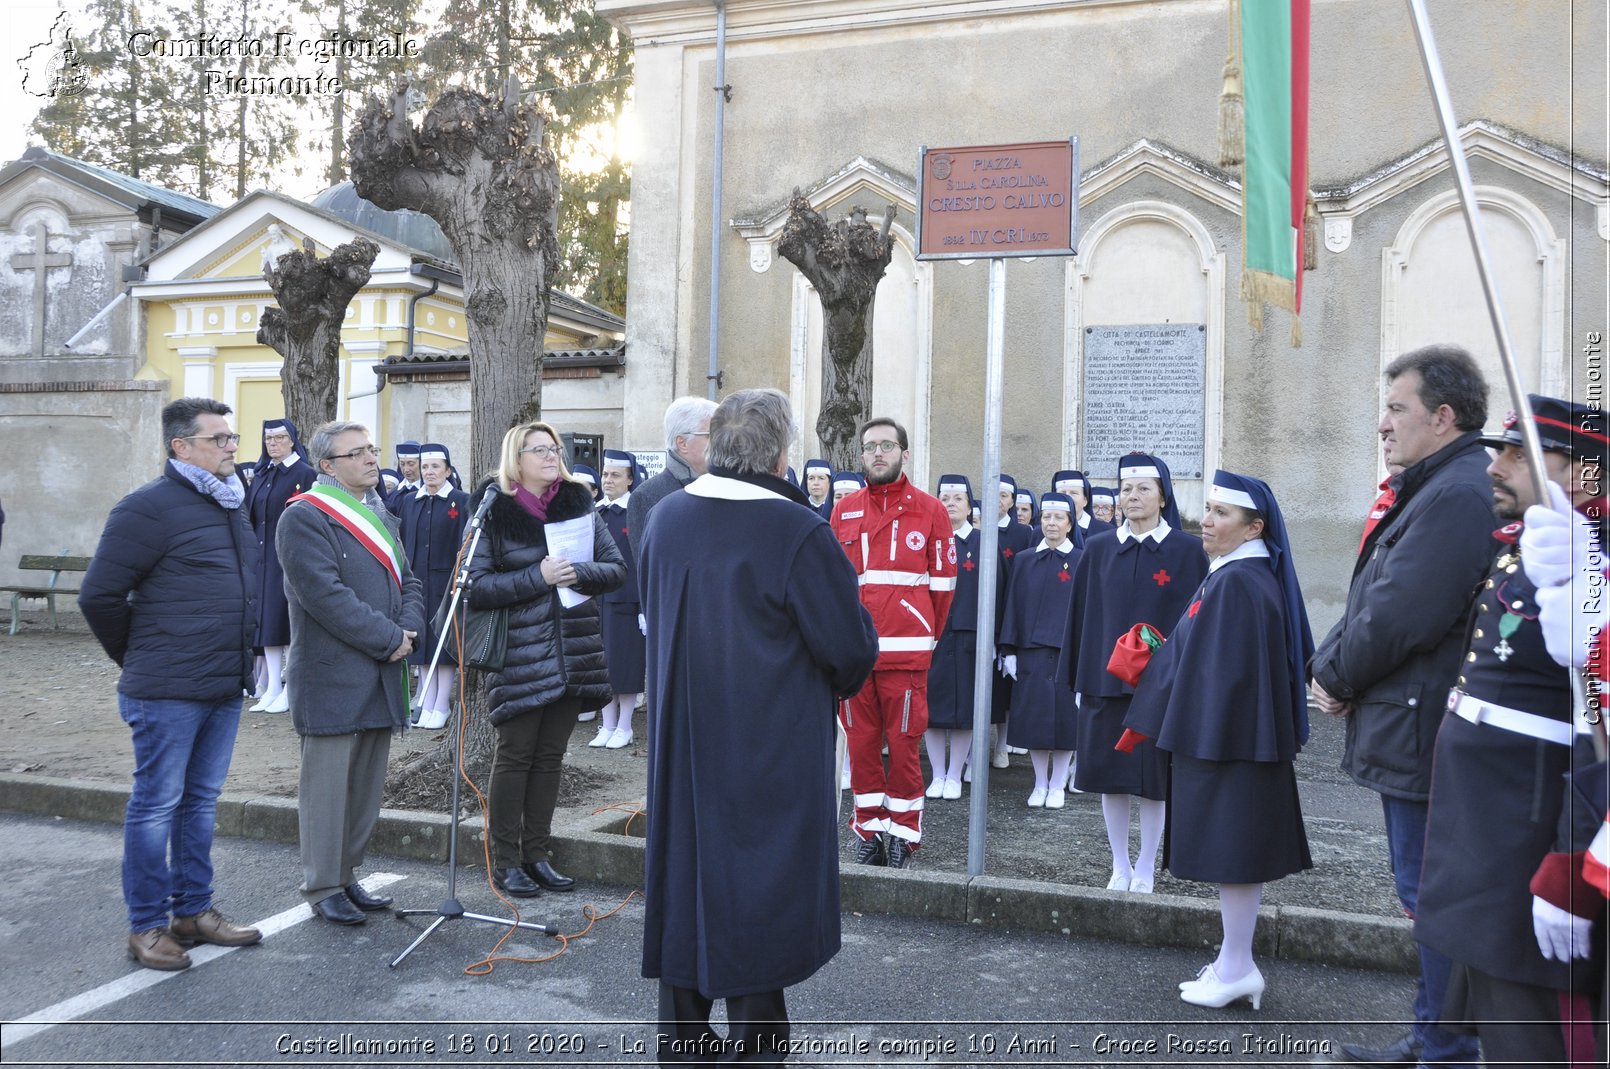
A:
x: 181, y: 756
x: 1406, y: 842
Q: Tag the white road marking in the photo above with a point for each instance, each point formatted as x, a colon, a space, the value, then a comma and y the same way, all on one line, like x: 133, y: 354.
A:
x: 81, y: 1005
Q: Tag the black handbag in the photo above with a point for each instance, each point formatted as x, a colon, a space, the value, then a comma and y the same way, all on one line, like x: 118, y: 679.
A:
x: 483, y: 633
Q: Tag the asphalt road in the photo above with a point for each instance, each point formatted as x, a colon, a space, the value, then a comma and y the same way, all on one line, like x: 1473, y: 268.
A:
x: 901, y: 992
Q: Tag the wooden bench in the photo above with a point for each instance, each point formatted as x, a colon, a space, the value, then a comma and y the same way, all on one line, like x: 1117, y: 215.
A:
x: 55, y: 566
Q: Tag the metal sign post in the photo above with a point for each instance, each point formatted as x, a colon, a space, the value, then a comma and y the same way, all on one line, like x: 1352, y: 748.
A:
x: 994, y: 202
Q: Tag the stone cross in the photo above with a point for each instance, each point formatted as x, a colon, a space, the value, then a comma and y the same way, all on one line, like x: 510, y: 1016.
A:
x: 40, y: 260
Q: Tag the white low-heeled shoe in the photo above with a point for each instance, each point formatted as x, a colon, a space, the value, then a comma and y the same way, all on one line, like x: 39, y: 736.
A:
x: 936, y: 789
x: 1214, y: 993
x: 1200, y: 974
x: 602, y: 738
x: 1118, y: 883
x: 621, y: 738
x: 281, y: 703
x: 1054, y: 798
x: 1037, y: 798
x: 1140, y: 885
x: 431, y: 719
x: 261, y: 706
x: 953, y: 789
x: 998, y: 759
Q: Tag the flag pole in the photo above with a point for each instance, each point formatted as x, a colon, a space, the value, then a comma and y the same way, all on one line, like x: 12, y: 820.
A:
x: 1478, y: 241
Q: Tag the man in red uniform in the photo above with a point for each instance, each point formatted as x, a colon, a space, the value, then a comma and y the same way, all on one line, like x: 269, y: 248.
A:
x: 898, y: 539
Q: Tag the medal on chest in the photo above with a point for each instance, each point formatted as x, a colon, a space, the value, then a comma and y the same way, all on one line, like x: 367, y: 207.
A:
x: 1510, y: 622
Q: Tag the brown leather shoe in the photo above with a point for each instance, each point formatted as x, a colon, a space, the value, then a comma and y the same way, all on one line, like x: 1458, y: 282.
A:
x: 212, y: 927
x: 155, y: 949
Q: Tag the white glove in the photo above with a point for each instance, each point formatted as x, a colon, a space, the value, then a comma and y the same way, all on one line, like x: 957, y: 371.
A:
x: 1555, y: 544
x: 1560, y: 935
x: 1009, y: 665
x: 642, y: 624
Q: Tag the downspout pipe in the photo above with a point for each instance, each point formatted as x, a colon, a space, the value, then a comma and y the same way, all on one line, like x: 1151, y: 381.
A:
x: 413, y: 303
x: 723, y: 92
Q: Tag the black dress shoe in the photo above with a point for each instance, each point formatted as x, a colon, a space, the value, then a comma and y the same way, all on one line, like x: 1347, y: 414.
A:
x: 338, y: 909
x: 365, y: 901
x: 547, y: 877
x: 515, y: 882
x: 1404, y: 1052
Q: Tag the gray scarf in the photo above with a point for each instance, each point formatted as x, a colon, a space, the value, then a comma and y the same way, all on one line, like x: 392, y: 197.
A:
x: 229, y: 494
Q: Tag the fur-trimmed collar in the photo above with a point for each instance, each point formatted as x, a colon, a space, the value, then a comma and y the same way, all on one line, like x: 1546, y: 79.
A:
x: 514, y: 522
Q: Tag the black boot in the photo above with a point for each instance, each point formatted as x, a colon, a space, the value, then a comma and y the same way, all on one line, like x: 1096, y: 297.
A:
x: 515, y: 883
x: 871, y: 851
x: 547, y: 877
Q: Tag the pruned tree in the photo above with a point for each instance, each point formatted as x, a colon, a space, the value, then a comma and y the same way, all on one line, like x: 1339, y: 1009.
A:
x: 844, y: 261
x: 305, y: 329
x: 480, y: 169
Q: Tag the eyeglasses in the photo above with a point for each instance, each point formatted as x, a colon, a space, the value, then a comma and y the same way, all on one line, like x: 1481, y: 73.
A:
x: 870, y: 448
x: 222, y: 441
x: 366, y: 451
x: 542, y: 450
x: 274, y: 437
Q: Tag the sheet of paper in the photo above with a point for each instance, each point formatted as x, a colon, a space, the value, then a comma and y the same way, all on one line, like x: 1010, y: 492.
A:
x: 573, y: 541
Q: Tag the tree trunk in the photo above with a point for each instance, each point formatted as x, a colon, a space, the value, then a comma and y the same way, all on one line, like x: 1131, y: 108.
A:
x: 481, y: 170
x: 844, y: 262
x: 305, y: 329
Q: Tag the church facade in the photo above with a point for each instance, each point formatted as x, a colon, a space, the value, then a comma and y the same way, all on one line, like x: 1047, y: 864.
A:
x: 838, y: 97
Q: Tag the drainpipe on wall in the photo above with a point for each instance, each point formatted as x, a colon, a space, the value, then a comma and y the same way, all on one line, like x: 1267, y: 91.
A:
x: 723, y: 94
x: 413, y: 302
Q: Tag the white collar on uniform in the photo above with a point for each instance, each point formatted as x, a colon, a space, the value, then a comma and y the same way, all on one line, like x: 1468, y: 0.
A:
x: 621, y: 501
x: 289, y: 460
x: 1065, y: 548
x: 1156, y: 534
x: 722, y: 488
x: 1250, y: 550
x: 964, y: 532
x: 422, y: 492
x: 1005, y: 521
x: 1084, y: 519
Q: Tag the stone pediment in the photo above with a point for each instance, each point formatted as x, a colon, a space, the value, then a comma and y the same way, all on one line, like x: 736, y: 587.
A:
x: 863, y: 182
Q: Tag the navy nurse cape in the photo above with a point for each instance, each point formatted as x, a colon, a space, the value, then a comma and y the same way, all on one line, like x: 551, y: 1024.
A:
x: 1117, y: 585
x: 1043, y: 713
x: 265, y: 501
x: 618, y: 609
x: 432, y: 530
x: 955, y: 660
x: 749, y: 646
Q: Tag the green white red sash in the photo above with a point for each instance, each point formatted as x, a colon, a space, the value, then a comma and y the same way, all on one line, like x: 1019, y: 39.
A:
x: 360, y: 522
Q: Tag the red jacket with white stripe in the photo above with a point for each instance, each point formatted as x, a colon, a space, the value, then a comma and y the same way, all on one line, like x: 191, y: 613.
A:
x: 898, y: 540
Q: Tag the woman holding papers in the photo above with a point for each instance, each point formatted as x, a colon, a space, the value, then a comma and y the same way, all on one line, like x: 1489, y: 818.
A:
x: 555, y: 665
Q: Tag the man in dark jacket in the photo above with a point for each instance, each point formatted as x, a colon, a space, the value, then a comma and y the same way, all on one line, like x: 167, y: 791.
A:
x: 355, y: 611
x: 169, y: 596
x: 741, y: 877
x: 687, y: 437
x: 1389, y: 662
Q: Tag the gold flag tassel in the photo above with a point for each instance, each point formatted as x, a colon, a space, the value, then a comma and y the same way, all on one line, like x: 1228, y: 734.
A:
x: 1232, y: 106
x: 1311, y: 235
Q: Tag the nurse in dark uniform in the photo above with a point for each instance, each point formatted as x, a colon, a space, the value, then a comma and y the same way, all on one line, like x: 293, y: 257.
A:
x: 433, y: 522
x: 282, y: 470
x: 949, y: 737
x: 619, y: 611
x: 1028, y: 510
x: 1043, y: 711
x: 1145, y: 571
x: 1225, y: 698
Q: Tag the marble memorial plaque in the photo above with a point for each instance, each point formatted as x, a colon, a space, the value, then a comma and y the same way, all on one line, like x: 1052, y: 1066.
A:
x: 1144, y: 391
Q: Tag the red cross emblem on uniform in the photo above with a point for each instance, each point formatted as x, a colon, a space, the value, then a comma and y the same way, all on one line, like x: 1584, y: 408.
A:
x: 452, y: 512
x: 1161, y: 577
x: 626, y: 530
x: 968, y: 564
x: 1062, y: 576
x: 1007, y: 553
x: 1195, y: 605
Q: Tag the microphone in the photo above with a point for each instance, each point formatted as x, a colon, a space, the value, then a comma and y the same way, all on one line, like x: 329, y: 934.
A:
x: 485, y: 505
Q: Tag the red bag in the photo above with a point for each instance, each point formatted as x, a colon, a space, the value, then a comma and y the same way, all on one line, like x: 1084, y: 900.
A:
x: 1133, y: 651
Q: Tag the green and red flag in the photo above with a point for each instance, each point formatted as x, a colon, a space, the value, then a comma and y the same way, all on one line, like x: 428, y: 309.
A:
x: 1274, y: 183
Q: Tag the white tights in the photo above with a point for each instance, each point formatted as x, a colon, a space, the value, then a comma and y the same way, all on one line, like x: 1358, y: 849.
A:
x: 438, y: 694
x: 1238, y: 913
x: 1051, y: 768
x: 1115, y: 811
x: 274, y: 667
x: 618, y: 713
x: 959, y: 743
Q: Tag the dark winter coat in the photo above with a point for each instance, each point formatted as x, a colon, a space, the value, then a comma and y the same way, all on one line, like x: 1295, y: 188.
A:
x: 755, y: 626
x: 348, y: 615
x: 1396, y: 650
x: 169, y: 593
x: 274, y: 485
x: 553, y: 651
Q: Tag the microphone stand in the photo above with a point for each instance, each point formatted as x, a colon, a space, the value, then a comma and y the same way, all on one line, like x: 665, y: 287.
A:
x: 450, y: 909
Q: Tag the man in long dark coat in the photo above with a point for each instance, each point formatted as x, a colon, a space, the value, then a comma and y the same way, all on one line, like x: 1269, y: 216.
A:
x: 748, y: 649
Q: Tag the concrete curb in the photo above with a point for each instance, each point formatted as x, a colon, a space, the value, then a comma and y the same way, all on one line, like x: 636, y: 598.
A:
x: 601, y: 848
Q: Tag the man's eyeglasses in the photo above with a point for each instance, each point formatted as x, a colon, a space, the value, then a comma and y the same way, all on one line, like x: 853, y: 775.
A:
x: 869, y: 448
x: 222, y: 441
x: 366, y: 451
x: 542, y: 450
